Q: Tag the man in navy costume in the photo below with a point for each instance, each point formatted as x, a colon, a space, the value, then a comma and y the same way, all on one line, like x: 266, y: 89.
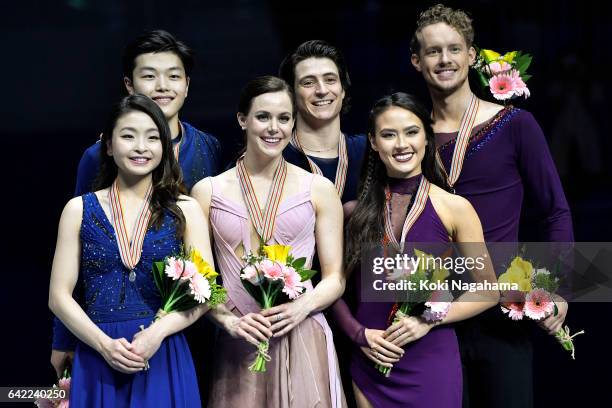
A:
x: 319, y: 77
x: 158, y: 66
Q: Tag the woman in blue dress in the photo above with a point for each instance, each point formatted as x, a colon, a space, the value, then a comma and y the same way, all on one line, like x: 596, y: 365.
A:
x: 108, y: 240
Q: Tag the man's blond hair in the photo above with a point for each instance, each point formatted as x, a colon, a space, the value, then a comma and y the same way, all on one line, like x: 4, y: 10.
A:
x: 458, y: 19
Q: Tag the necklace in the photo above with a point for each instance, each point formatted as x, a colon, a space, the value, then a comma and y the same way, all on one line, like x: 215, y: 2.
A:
x: 304, y: 147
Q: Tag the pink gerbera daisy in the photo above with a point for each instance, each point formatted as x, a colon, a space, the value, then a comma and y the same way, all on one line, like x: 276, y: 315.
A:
x: 64, y: 383
x: 45, y: 403
x: 174, y: 268
x: 502, y: 86
x: 498, y: 67
x: 538, y: 304
x: 293, y: 282
x: 271, y: 270
x: 520, y: 89
x: 513, y: 303
x: 250, y: 274
x: 515, y: 310
x: 200, y: 288
x: 190, y: 270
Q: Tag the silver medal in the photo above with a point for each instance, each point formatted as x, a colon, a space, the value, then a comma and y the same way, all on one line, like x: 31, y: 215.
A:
x: 132, y: 275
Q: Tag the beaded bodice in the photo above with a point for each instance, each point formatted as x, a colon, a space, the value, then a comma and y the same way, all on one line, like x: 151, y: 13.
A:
x: 109, y: 294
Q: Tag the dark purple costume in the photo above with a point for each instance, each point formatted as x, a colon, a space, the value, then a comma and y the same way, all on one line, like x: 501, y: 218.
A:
x: 429, y: 373
x: 507, y: 165
x: 507, y: 159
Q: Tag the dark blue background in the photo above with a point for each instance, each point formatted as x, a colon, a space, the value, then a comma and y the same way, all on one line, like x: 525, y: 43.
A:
x: 61, y: 73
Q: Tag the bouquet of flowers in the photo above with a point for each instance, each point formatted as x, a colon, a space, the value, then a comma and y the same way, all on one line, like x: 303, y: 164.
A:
x: 61, y: 390
x: 430, y: 304
x: 533, y: 299
x: 505, y: 75
x: 185, y: 281
x: 273, y: 276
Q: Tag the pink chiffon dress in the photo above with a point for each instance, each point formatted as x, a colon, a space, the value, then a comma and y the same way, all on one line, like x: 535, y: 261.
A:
x: 303, y: 370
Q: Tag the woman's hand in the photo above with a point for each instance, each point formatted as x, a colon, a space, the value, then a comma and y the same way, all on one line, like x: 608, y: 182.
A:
x: 252, y: 327
x: 283, y: 318
x: 407, y: 330
x: 381, y: 351
x: 60, y: 360
x: 146, y: 342
x: 119, y: 354
x: 552, y: 324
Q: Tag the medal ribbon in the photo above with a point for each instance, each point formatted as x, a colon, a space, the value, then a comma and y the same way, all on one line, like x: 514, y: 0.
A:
x: 264, y: 223
x: 463, y: 139
x: 130, y: 252
x: 415, y: 211
x: 341, y: 169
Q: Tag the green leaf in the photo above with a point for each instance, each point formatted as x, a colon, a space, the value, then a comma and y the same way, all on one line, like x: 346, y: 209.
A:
x: 483, y: 79
x: 254, y: 291
x: 525, y: 77
x: 218, y: 295
x: 185, y: 303
x: 306, y: 274
x: 523, y: 63
x: 299, y: 263
x: 158, y: 277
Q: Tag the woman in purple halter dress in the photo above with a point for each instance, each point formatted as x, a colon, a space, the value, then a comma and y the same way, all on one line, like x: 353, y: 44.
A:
x: 424, y: 356
x: 302, y: 371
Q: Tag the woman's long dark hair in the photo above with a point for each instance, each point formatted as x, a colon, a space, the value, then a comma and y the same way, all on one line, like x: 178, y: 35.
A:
x: 167, y: 177
x: 366, y: 225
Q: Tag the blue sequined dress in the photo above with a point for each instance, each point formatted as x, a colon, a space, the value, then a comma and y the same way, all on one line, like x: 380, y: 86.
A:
x: 119, y: 307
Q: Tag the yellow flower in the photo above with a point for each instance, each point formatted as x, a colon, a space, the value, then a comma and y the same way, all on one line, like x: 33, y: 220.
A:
x: 277, y: 253
x: 204, y: 268
x: 509, y: 57
x: 525, y: 285
x: 519, y: 272
x: 489, y: 55
x: 523, y: 266
x: 492, y: 56
x: 438, y: 274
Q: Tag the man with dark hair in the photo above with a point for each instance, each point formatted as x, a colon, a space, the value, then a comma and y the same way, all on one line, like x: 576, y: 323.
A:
x: 317, y: 72
x: 158, y: 66
x: 500, y: 157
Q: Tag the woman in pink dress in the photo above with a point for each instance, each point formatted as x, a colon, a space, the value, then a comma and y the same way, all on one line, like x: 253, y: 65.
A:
x: 304, y: 209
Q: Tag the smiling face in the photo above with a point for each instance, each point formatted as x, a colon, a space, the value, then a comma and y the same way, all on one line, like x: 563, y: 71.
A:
x: 318, y: 90
x: 399, y: 138
x: 161, y: 77
x: 269, y: 123
x: 444, y: 58
x: 135, y: 144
